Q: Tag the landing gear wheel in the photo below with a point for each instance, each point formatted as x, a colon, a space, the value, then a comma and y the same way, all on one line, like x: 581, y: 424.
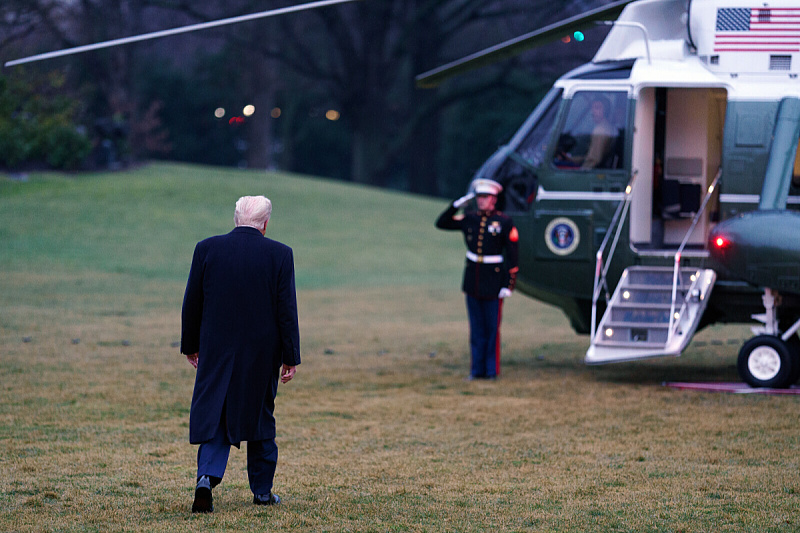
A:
x: 766, y: 361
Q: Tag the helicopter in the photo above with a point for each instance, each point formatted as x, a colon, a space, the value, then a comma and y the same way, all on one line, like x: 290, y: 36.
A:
x: 656, y: 189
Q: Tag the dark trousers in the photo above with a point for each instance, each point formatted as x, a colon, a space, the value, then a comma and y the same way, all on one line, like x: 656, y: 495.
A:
x: 262, y: 459
x: 484, y: 336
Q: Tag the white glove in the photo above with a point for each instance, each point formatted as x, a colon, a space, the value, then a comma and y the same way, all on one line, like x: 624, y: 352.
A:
x: 504, y: 293
x: 464, y: 199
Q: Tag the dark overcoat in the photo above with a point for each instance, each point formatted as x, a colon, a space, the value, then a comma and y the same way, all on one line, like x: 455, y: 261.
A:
x: 240, y: 314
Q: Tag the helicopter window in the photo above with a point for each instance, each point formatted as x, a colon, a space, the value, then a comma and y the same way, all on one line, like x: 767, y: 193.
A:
x: 534, y: 145
x: 796, y: 173
x: 594, y: 131
x: 515, y: 165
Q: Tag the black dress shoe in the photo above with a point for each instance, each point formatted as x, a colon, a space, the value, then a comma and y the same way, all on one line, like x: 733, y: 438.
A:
x: 266, y: 499
x: 203, y: 501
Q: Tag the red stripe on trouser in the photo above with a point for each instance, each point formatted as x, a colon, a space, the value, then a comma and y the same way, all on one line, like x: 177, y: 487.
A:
x: 497, y: 346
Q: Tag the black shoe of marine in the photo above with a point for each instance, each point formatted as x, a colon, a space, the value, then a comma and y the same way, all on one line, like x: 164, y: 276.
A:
x: 266, y: 499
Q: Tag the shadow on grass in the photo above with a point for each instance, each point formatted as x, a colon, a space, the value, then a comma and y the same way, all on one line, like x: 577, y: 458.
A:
x: 567, y: 359
x: 675, y: 370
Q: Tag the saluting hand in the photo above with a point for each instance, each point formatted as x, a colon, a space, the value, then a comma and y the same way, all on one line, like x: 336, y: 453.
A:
x: 463, y: 200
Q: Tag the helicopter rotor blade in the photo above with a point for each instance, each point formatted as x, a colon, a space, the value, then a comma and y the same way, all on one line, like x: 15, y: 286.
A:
x: 175, y: 31
x: 517, y: 45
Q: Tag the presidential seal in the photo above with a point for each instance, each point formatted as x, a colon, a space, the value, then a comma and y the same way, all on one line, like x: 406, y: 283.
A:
x: 562, y: 236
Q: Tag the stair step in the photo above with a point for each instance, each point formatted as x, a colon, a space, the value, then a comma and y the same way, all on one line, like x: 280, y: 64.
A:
x: 630, y: 296
x: 651, y: 287
x: 633, y: 334
x: 606, y: 344
x: 655, y: 286
x: 627, y: 304
x: 645, y: 287
x: 648, y: 316
x: 659, y: 276
x: 637, y: 325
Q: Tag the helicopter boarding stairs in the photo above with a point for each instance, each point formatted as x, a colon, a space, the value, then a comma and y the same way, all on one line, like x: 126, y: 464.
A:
x: 655, y: 310
x: 644, y: 320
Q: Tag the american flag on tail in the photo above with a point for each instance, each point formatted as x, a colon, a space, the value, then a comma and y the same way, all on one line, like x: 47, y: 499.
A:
x: 744, y: 29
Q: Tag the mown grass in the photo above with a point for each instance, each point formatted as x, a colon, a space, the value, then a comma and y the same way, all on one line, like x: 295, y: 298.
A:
x: 378, y: 432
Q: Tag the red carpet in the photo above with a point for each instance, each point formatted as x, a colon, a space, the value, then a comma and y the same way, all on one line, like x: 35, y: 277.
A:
x: 736, y: 388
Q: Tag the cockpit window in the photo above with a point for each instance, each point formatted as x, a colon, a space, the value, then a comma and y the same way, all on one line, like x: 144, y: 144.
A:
x: 514, y: 165
x: 534, y: 145
x: 794, y: 189
x: 594, y: 131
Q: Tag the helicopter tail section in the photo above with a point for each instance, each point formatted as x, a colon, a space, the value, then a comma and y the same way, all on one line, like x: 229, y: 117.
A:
x: 652, y: 313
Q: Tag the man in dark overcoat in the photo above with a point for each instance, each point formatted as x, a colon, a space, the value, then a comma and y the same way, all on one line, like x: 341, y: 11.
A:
x: 490, y: 270
x: 240, y: 330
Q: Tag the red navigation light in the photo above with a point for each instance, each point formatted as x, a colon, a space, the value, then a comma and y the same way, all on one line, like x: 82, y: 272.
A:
x: 721, y: 242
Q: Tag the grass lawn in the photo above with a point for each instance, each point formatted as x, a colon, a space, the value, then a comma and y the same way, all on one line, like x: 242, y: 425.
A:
x: 378, y: 431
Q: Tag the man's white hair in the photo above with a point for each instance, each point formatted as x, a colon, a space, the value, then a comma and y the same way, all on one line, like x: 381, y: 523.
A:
x: 252, y: 211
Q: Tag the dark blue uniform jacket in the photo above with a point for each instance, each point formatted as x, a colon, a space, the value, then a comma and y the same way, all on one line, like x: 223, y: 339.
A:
x: 489, y: 233
x: 240, y: 314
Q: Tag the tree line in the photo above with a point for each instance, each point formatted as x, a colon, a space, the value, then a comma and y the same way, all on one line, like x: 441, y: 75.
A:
x: 332, y: 90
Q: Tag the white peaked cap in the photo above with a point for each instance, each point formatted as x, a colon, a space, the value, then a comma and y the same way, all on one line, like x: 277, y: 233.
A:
x: 484, y: 186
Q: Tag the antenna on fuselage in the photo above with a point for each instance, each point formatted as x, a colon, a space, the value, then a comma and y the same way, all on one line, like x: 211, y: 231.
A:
x: 175, y: 31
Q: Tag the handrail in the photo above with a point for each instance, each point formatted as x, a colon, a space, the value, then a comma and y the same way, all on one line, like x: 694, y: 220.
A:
x: 641, y: 27
x: 676, y: 268
x: 601, y: 270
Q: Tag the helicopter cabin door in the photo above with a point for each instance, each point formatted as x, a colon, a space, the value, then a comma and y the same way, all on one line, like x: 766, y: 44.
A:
x: 677, y: 151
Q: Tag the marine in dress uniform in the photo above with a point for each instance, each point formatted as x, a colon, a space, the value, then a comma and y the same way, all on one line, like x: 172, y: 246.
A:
x: 490, y: 270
